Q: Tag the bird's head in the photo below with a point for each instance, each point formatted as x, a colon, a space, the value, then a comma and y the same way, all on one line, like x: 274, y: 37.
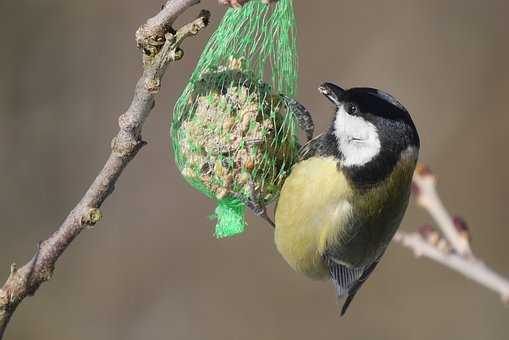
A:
x: 369, y: 125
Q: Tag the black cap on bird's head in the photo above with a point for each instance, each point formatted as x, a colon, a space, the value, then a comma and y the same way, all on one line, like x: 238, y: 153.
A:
x: 368, y: 100
x: 371, y: 104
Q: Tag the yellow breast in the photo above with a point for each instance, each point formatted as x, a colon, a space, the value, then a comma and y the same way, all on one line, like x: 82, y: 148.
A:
x: 313, y: 201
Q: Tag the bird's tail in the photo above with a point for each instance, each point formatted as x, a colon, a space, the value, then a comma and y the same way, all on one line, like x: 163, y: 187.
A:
x: 344, y: 280
x: 348, y: 281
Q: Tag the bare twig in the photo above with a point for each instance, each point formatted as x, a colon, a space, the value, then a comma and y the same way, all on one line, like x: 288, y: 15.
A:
x: 453, y: 250
x: 472, y: 268
x: 427, y: 197
x: 161, y: 45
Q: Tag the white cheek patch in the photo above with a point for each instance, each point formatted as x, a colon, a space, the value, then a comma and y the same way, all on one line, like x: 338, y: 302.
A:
x: 357, y: 138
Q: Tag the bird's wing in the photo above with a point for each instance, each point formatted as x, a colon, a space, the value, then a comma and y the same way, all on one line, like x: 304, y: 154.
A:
x: 310, y: 149
x: 348, y: 281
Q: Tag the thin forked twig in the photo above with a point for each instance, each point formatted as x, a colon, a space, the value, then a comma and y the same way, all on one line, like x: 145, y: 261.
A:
x: 160, y: 45
x: 450, y: 246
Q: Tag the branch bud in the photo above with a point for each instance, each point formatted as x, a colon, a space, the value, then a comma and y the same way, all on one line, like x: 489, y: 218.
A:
x: 429, y: 234
x: 93, y: 216
x: 462, y: 228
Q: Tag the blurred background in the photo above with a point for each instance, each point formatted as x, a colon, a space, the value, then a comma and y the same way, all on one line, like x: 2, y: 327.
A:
x: 152, y: 269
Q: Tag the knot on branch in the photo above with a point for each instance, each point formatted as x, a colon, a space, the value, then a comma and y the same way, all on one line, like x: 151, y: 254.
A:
x: 92, y: 217
x: 130, y: 124
x: 126, y: 147
x: 153, y: 85
x: 161, y: 43
x: 150, y: 39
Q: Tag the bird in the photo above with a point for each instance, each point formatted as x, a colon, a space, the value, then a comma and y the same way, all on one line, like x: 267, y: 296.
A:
x: 344, y: 199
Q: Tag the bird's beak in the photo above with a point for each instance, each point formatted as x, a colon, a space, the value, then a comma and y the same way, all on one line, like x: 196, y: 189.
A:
x: 333, y: 92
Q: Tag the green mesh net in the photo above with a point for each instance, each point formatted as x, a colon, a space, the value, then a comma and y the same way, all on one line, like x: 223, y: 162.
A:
x: 233, y: 137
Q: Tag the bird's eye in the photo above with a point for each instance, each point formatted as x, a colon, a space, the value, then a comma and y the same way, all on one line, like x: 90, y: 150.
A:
x: 351, y: 108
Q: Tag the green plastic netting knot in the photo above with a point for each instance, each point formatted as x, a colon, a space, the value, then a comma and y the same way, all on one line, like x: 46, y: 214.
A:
x: 230, y: 218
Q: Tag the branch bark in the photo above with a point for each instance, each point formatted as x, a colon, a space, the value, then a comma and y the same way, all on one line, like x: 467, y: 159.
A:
x: 450, y: 246
x: 160, y: 45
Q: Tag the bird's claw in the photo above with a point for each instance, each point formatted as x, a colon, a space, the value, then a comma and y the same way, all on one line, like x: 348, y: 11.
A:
x: 253, y: 203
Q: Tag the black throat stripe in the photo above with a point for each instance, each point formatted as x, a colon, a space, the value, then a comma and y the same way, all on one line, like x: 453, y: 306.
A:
x: 371, y: 173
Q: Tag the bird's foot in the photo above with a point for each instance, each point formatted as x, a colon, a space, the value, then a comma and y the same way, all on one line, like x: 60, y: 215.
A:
x: 254, y: 203
x: 304, y: 117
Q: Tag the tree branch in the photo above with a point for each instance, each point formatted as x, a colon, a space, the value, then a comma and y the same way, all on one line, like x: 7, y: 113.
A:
x: 450, y: 246
x: 427, y: 197
x: 472, y: 268
x: 160, y: 45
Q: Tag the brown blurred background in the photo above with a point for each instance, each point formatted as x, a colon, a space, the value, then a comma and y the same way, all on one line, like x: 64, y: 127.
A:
x: 151, y: 269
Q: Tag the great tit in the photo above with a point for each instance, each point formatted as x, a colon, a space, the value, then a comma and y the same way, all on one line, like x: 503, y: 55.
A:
x: 344, y: 200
